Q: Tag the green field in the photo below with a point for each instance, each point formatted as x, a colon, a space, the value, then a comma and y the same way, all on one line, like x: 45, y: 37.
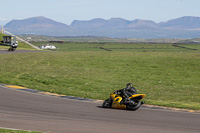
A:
x: 167, y: 78
x: 15, y: 131
x: 129, y: 47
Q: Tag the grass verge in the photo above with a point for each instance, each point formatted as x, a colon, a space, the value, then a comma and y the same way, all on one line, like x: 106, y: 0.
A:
x: 15, y: 131
x: 168, y: 79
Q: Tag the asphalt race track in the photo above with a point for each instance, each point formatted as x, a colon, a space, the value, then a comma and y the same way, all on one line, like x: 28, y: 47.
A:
x: 37, y: 112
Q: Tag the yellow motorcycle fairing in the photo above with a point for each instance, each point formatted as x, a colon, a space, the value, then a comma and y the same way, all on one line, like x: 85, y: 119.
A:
x: 116, y: 101
x: 138, y: 96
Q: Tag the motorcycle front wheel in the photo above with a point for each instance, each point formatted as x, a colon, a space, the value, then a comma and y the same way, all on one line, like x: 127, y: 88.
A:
x: 13, y: 49
x: 107, y: 103
x: 135, y: 106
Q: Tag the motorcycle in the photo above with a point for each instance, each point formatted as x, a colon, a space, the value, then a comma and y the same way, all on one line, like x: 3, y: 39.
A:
x: 13, y: 47
x: 117, y: 101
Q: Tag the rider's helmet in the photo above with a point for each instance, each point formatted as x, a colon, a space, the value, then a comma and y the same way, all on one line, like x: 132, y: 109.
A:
x: 128, y: 85
x: 16, y: 44
x: 131, y: 88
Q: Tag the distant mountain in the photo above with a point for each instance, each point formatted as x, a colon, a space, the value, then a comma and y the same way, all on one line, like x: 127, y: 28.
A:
x: 184, y: 27
x: 183, y: 23
x: 143, y: 24
x: 94, y: 23
x: 36, y: 22
x: 113, y: 23
x: 36, y: 25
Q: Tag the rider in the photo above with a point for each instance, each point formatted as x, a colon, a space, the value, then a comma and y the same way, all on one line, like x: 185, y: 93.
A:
x: 13, y: 46
x: 127, y: 92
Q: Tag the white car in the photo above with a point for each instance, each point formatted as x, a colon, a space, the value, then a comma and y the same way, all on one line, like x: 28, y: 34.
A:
x: 48, y: 46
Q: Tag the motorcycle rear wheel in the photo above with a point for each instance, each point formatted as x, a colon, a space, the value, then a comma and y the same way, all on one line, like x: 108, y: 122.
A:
x: 134, y: 107
x: 107, y: 103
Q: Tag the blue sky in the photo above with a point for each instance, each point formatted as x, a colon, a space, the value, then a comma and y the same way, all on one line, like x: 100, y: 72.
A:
x: 66, y: 11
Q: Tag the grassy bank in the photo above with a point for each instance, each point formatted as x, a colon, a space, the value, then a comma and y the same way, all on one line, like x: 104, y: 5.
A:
x: 21, y: 45
x: 15, y: 131
x: 168, y: 79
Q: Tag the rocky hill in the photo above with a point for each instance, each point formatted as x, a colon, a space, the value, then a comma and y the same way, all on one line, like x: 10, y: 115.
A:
x: 184, y: 27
